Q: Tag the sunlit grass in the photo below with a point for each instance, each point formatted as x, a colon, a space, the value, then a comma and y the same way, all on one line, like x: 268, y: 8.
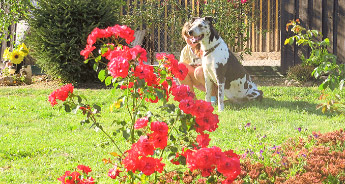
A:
x: 39, y: 143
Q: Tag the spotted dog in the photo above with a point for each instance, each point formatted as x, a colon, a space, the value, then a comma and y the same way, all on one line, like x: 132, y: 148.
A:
x: 221, y: 66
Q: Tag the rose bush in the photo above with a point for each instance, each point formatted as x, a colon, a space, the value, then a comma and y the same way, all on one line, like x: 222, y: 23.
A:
x: 177, y: 134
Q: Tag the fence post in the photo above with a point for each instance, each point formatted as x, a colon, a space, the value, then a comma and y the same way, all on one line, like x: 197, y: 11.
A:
x: 287, y: 51
x: 341, y: 34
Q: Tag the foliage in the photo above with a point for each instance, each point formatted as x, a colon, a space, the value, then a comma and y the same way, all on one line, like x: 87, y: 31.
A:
x: 177, y: 134
x: 58, y: 30
x: 11, y: 11
x: 230, y: 18
x: 331, y: 104
x: 154, y: 14
x: 317, y: 158
x: 301, y: 73
x: 320, y: 57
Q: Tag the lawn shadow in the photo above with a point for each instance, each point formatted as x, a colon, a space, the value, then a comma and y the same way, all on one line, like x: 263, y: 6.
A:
x: 268, y: 103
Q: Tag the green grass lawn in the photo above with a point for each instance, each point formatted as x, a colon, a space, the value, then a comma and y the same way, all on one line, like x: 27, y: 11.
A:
x: 39, y: 143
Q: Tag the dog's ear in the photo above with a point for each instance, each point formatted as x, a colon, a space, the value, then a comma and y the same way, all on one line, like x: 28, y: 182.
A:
x: 209, y: 18
x: 194, y: 18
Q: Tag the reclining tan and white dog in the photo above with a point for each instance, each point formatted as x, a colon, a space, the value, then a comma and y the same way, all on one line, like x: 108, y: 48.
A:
x: 221, y: 66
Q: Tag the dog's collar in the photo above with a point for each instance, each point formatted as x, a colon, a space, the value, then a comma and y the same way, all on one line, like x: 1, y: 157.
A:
x: 208, y: 51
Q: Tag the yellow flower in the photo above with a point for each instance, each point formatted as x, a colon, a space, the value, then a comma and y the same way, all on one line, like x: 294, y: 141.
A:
x: 16, y: 57
x: 22, y: 48
x: 7, y: 54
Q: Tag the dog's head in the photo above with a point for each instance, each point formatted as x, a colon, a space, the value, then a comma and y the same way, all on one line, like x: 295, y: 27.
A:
x: 202, y: 29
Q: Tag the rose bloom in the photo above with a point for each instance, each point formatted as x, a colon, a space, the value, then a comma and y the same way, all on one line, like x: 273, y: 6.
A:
x: 145, y: 146
x: 85, y: 169
x: 182, y: 92
x: 181, y: 71
x: 159, y: 140
x: 86, y: 52
x: 60, y: 94
x: 141, y: 123
x: 138, y: 51
x: 149, y: 165
x: 142, y: 71
x: 159, y: 127
x: 114, y: 172
x: 70, y: 178
x: 203, y: 140
x: 118, y: 67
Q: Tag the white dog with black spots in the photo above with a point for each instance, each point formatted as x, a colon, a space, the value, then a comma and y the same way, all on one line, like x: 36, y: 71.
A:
x: 221, y: 66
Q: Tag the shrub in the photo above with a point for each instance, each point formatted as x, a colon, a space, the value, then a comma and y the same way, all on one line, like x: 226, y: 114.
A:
x: 300, y: 73
x: 58, y: 32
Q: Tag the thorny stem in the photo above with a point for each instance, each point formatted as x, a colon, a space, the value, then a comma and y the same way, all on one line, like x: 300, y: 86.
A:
x: 101, y: 128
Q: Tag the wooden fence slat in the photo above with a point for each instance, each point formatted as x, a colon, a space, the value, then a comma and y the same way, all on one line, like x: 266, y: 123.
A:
x: 304, y: 18
x: 276, y: 28
x: 268, y: 35
x: 341, y: 33
x: 253, y: 44
x: 329, y: 22
x: 287, y: 51
x: 260, y: 28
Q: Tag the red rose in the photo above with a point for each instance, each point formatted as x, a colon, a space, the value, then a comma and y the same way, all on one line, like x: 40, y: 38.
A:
x: 159, y: 128
x: 187, y: 106
x: 70, y: 178
x: 141, y: 123
x: 60, y: 94
x: 181, y: 71
x: 229, y: 167
x: 86, y: 52
x: 113, y: 173
x: 88, y: 180
x: 203, y: 140
x: 118, y: 67
x: 149, y: 165
x: 85, y: 169
x: 138, y: 52
x: 182, y: 92
x: 159, y: 140
x: 145, y: 146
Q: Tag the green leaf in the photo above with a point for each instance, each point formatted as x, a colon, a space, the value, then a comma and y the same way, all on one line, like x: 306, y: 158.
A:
x: 97, y: 107
x: 126, y: 133
x: 95, y: 67
x: 98, y: 58
x: 79, y: 99
x: 67, y: 108
x: 101, y: 75
x: 108, y: 80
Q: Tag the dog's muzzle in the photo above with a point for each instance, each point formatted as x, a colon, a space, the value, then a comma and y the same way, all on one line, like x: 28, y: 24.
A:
x: 195, y: 39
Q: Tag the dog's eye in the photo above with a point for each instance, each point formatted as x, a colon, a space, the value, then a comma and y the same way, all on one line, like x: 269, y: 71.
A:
x: 200, y: 25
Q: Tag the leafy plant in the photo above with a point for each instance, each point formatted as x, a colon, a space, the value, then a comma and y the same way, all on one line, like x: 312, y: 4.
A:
x: 325, y: 63
x: 11, y: 11
x: 58, y: 31
x: 301, y: 73
x: 331, y: 104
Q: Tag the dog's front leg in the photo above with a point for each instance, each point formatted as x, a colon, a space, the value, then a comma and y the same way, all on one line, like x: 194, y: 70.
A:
x: 220, y: 96
x: 208, y: 87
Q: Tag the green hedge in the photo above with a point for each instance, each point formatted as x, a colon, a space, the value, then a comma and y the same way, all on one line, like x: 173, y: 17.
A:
x: 59, y: 30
